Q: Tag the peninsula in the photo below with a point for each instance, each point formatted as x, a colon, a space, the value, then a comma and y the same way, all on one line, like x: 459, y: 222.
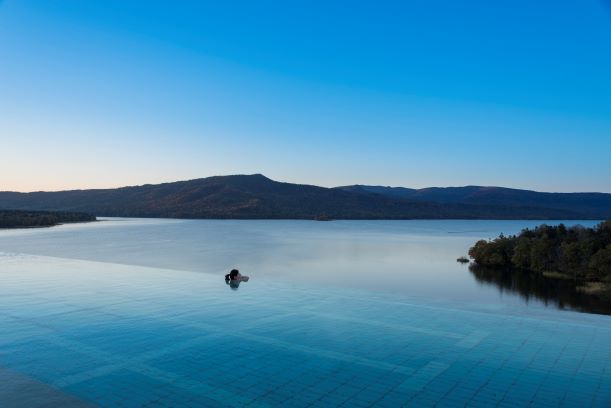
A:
x: 33, y: 219
x: 581, y: 255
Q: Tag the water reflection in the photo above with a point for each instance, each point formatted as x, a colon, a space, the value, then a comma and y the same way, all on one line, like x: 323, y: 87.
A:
x: 559, y: 292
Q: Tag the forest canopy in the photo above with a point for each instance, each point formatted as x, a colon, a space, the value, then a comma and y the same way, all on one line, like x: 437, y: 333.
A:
x: 577, y: 252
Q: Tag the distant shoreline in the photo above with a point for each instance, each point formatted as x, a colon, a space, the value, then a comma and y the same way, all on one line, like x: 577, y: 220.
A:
x: 542, y: 220
x: 48, y: 226
x: 18, y: 219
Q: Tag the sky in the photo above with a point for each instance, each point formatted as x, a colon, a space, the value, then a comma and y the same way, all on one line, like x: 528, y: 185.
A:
x: 413, y: 93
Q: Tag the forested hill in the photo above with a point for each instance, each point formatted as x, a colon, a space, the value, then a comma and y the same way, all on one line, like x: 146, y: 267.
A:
x: 258, y: 197
x: 588, y: 205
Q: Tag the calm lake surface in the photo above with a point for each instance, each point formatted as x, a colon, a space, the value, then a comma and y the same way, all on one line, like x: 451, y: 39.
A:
x: 414, y: 258
x: 136, y: 313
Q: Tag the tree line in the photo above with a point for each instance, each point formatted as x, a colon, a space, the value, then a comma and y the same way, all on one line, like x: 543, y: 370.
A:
x: 577, y: 252
x: 27, y: 219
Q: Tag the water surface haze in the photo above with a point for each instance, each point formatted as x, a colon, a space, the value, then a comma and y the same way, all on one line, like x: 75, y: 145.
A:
x: 415, y: 257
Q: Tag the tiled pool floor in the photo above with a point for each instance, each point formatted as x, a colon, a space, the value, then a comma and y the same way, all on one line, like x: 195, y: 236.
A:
x: 76, y: 333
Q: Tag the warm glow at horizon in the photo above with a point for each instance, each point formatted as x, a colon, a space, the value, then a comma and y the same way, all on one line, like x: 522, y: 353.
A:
x: 95, y: 95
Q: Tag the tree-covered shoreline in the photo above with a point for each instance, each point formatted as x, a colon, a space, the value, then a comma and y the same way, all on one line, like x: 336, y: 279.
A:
x: 577, y: 253
x: 34, y: 219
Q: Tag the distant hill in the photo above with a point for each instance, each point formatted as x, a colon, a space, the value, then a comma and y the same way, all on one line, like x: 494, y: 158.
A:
x: 258, y: 197
x: 588, y: 205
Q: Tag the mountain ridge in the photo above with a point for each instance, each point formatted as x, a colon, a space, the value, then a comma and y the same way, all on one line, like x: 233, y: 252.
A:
x: 591, y: 204
x: 258, y: 197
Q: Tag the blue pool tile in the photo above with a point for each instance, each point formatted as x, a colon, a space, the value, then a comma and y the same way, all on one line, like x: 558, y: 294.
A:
x: 115, y: 335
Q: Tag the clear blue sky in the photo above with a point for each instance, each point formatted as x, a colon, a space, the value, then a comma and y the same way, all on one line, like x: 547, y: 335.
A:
x: 412, y: 93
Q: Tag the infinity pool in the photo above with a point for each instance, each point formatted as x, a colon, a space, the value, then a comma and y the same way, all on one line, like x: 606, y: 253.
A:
x: 81, y: 333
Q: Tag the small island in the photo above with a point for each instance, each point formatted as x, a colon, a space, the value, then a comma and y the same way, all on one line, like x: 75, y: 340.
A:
x: 34, y: 219
x: 577, y: 254
x: 323, y: 217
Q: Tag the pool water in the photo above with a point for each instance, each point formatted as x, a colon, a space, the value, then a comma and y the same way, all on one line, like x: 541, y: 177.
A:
x: 87, y: 333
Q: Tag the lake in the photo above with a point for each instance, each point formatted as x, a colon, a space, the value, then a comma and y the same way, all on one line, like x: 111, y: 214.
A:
x: 135, y: 312
x: 416, y: 257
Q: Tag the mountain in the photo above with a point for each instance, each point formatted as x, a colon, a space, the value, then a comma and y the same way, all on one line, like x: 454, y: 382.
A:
x: 258, y: 197
x: 588, y: 205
